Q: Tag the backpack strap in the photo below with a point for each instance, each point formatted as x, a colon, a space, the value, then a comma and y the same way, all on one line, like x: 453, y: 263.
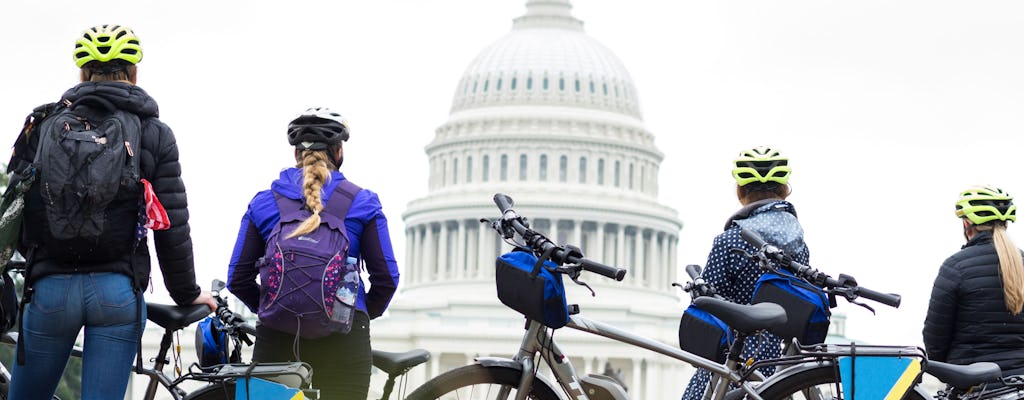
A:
x: 338, y: 205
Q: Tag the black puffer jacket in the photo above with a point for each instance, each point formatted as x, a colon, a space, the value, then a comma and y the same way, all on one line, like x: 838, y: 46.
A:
x: 159, y: 164
x: 967, y: 319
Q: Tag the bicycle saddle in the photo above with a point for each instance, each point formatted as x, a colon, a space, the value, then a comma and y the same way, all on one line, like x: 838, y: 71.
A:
x: 173, y: 317
x: 964, y: 376
x: 399, y: 363
x: 744, y: 318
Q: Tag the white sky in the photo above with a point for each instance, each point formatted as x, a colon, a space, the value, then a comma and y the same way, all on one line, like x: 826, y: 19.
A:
x: 887, y: 108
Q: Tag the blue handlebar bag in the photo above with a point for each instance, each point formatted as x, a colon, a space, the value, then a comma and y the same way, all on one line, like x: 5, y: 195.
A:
x: 529, y: 286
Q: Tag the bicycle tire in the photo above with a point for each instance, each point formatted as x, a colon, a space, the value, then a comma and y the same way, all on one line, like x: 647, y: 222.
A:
x: 216, y: 391
x: 470, y: 381
x: 816, y: 383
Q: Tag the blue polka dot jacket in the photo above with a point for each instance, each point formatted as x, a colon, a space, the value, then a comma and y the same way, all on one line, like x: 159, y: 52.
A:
x: 734, y: 276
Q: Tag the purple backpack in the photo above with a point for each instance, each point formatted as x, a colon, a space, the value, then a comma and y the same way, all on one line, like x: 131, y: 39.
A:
x: 309, y: 283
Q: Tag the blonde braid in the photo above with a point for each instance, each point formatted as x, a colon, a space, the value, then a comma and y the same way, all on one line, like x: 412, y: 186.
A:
x: 315, y: 173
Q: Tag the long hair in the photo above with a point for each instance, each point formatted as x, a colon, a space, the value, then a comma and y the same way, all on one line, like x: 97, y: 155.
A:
x: 1011, y: 266
x: 115, y: 70
x: 316, y: 171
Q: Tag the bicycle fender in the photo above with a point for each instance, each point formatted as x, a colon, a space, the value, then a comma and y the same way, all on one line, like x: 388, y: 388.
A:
x: 799, y: 368
x: 500, y: 362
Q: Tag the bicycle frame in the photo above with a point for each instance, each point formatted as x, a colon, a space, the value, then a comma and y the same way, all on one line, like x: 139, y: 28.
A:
x: 537, y: 340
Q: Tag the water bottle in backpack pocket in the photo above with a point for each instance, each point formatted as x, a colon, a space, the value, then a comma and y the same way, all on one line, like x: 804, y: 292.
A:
x: 343, y: 309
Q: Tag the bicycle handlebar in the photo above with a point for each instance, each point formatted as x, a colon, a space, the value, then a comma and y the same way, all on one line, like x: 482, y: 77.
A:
x: 559, y: 254
x: 817, y: 277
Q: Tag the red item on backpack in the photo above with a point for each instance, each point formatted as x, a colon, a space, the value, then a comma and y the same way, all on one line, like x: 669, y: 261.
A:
x: 156, y: 216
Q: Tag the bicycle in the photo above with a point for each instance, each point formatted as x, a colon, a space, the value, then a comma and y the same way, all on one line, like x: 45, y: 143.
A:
x: 222, y: 379
x: 219, y: 380
x: 812, y: 371
x: 518, y: 377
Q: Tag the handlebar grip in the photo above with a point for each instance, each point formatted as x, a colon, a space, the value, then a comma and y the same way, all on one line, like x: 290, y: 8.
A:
x: 752, y: 237
x: 248, y: 329
x: 693, y: 270
x: 889, y: 299
x: 503, y: 201
x: 598, y: 268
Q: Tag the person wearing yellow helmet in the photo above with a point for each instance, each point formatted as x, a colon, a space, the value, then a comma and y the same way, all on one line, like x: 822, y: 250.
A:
x: 974, y: 313
x: 762, y: 186
x: 102, y: 291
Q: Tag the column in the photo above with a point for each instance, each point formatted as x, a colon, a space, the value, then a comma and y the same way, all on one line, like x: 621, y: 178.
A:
x: 412, y: 236
x: 554, y: 232
x: 483, y: 250
x: 577, y: 233
x: 638, y: 255
x: 460, y: 263
x: 636, y: 385
x: 442, y: 252
x: 620, y: 248
x: 428, y: 252
x: 602, y: 252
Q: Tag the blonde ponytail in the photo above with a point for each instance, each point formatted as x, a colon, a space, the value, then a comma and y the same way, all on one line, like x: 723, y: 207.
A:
x: 315, y: 173
x: 1011, y: 269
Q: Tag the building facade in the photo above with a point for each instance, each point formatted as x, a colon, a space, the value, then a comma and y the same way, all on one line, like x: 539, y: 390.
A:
x: 550, y: 117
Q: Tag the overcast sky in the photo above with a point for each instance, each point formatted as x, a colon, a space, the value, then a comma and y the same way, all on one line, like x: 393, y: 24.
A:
x: 887, y: 109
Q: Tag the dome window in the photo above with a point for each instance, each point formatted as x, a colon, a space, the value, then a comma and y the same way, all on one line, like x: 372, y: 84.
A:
x: 583, y: 170
x: 469, y: 169
x: 486, y: 84
x: 577, y: 86
x: 529, y: 83
x: 604, y: 86
x: 563, y: 166
x: 504, y: 168
x: 561, y: 84
x: 522, y: 167
x: 545, y: 83
x: 498, y: 87
x: 600, y: 171
x: 485, y: 169
x: 544, y: 167
x: 592, y: 87
x: 512, y: 86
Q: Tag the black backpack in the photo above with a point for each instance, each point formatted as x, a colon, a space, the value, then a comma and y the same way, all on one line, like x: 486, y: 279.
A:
x: 87, y: 181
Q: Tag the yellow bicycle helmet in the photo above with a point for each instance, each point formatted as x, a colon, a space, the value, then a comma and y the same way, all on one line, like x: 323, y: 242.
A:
x: 106, y: 43
x: 761, y: 164
x: 981, y: 204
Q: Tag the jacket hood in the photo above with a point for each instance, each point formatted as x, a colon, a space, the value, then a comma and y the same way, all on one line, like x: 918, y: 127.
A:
x: 124, y: 95
x: 289, y: 184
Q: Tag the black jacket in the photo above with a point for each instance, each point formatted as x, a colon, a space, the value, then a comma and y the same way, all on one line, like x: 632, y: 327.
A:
x: 159, y: 165
x: 967, y: 320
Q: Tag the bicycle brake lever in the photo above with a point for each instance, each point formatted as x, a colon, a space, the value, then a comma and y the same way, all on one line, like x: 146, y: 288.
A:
x: 574, y: 273
x: 851, y: 297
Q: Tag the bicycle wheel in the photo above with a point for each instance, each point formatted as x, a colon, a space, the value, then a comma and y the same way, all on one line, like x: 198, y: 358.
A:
x: 817, y: 383
x: 215, y: 391
x: 478, y: 382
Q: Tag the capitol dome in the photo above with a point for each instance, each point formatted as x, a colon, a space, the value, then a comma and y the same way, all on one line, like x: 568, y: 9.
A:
x: 547, y: 59
x: 552, y: 118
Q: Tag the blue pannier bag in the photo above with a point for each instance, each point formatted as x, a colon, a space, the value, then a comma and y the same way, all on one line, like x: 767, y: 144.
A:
x: 531, y: 288
x: 703, y: 334
x: 807, y: 306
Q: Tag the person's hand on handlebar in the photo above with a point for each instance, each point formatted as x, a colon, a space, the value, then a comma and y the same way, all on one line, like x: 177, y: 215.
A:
x: 206, y: 298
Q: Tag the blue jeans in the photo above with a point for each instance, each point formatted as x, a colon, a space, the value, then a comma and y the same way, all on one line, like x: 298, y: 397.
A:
x: 105, y: 305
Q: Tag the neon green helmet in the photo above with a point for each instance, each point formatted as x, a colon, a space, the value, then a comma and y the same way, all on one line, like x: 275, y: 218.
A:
x: 761, y: 164
x: 981, y: 204
x: 107, y: 42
